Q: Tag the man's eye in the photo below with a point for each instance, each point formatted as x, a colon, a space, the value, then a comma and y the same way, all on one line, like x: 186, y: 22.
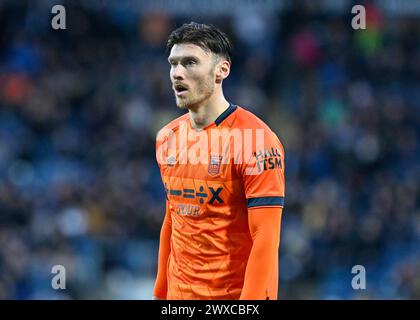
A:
x: 190, y: 62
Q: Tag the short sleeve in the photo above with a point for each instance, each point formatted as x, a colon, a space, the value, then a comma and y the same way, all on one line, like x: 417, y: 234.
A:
x: 263, y: 172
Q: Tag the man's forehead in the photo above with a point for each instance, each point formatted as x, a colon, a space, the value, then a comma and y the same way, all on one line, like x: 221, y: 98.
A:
x: 187, y: 49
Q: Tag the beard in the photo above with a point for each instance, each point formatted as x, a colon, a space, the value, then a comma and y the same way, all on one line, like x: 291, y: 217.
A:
x: 195, y: 97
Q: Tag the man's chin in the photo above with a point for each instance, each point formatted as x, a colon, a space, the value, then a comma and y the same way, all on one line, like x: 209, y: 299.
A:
x: 182, y: 106
x: 182, y: 103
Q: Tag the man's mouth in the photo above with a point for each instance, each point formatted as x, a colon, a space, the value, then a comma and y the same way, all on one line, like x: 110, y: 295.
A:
x: 180, y: 89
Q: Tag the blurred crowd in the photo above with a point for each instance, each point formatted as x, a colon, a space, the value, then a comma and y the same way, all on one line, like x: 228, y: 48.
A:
x: 80, y: 108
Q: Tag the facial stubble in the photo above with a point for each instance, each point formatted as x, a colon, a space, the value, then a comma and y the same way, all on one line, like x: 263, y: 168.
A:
x: 203, y: 92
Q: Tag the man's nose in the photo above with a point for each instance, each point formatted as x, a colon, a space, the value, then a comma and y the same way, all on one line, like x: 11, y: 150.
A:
x: 177, y: 72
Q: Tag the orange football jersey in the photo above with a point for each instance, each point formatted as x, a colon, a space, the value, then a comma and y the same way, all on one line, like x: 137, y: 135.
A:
x: 211, y: 178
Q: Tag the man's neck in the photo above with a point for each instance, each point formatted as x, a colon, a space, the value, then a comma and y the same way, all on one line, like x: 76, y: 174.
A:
x: 206, y: 113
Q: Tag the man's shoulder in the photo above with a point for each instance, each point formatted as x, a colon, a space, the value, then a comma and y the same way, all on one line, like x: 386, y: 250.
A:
x: 172, y: 126
x: 245, y: 119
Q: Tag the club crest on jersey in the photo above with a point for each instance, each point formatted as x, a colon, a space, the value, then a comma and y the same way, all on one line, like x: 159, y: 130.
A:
x: 214, y: 165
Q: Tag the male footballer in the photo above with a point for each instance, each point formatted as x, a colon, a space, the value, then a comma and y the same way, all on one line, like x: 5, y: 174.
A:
x: 223, y: 172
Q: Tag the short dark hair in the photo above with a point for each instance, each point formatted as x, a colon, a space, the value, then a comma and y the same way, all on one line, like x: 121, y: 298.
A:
x: 208, y: 37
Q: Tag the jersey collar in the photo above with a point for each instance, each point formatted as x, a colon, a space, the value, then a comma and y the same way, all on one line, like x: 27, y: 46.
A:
x: 225, y: 114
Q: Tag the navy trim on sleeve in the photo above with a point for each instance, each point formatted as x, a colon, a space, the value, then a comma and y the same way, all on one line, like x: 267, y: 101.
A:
x: 265, y: 201
x: 225, y: 114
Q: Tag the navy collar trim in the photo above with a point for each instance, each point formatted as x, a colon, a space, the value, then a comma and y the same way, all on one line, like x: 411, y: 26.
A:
x: 225, y: 114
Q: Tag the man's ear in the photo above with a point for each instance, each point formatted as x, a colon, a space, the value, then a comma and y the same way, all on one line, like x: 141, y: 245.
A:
x: 222, y: 70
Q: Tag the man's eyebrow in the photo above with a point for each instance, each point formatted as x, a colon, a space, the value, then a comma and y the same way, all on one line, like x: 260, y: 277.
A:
x: 173, y: 59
